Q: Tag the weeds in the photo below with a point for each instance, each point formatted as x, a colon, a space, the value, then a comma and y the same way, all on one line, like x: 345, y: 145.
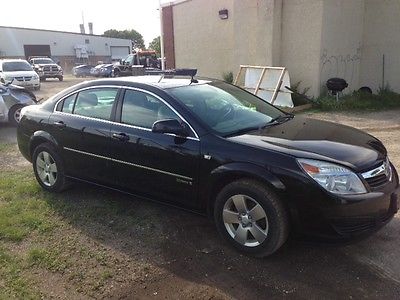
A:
x: 385, y: 99
x: 228, y: 77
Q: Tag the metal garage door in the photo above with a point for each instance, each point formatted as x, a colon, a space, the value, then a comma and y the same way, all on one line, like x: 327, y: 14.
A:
x: 119, y: 52
x: 37, y: 50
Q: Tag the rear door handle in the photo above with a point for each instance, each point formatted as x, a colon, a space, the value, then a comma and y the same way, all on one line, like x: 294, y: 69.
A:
x: 60, y: 124
x: 121, y: 136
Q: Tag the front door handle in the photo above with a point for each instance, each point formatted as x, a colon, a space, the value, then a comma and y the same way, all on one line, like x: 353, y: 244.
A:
x: 121, y: 136
x: 60, y: 124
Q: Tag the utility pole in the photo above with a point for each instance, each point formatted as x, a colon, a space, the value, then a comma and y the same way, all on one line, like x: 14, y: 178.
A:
x: 161, y: 37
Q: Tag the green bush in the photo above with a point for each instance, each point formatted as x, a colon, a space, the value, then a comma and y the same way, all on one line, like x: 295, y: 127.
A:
x: 299, y: 97
x: 385, y: 99
x: 228, y: 77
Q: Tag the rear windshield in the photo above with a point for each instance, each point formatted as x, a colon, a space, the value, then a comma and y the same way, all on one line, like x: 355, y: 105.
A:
x: 12, y: 66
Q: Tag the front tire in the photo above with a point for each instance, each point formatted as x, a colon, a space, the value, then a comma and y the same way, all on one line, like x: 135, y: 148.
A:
x: 251, y: 218
x: 49, y: 168
x: 60, y: 78
x: 116, y: 73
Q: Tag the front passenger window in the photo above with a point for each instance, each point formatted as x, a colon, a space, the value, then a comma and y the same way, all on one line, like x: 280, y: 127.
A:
x: 142, y: 110
x: 96, y: 103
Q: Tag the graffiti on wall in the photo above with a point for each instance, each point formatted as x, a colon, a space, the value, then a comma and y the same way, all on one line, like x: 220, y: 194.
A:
x: 344, y: 66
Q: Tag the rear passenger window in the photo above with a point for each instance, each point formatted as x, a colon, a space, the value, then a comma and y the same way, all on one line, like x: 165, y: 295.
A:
x: 68, y: 104
x: 142, y: 110
x: 95, y: 103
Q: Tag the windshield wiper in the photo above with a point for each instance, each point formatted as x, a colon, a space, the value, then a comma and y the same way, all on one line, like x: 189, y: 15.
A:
x: 275, y: 121
x: 280, y: 119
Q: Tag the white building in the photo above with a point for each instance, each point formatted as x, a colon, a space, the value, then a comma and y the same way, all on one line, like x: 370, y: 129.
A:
x: 68, y: 48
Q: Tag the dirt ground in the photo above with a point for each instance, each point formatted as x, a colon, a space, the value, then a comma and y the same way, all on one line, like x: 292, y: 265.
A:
x: 173, y: 254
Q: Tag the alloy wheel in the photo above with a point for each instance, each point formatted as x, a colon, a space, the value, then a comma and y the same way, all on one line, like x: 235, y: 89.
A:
x: 245, y: 220
x: 17, y: 115
x: 46, y: 168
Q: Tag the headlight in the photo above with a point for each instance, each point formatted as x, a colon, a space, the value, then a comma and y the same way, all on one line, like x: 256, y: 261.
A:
x: 35, y: 76
x: 333, y: 178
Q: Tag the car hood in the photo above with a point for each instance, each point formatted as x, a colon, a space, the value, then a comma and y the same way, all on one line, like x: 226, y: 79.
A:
x: 20, y: 73
x: 42, y: 65
x: 309, y: 138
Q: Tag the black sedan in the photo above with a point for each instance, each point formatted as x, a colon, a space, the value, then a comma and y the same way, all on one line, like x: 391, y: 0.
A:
x: 214, y: 148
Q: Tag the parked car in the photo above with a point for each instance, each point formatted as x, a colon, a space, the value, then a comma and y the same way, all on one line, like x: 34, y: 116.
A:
x: 102, y: 70
x: 81, y: 70
x: 12, y: 99
x: 214, y: 148
x: 106, y: 70
x: 45, y: 67
x: 95, y: 71
x: 19, y: 72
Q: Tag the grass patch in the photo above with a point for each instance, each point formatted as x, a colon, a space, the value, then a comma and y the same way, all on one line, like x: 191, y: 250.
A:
x: 22, y: 207
x: 6, y: 147
x: 11, y: 273
x: 48, y: 259
x: 357, y: 101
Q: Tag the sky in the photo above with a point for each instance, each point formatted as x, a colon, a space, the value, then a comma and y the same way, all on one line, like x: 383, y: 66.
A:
x: 66, y: 15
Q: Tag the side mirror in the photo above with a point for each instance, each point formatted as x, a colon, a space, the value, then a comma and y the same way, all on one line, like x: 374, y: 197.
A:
x: 171, y: 126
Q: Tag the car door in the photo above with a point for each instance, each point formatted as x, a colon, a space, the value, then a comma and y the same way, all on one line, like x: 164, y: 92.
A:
x: 157, y: 165
x: 81, y: 126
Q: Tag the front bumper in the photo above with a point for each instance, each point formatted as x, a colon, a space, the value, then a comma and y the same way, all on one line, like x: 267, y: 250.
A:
x: 33, y: 83
x: 49, y: 74
x: 365, y: 216
x: 342, y: 218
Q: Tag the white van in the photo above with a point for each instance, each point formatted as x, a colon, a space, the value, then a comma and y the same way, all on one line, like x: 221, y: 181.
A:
x: 20, y: 72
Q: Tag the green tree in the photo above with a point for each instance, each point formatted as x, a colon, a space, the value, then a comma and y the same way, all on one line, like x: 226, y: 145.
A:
x: 155, y: 45
x: 133, y: 35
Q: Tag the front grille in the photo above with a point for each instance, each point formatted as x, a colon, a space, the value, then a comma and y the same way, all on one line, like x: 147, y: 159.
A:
x: 377, y: 181
x: 378, y: 176
x: 54, y: 68
x: 46, y: 69
x: 21, y: 78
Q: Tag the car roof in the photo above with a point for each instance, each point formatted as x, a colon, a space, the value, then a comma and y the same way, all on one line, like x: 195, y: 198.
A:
x: 156, y: 81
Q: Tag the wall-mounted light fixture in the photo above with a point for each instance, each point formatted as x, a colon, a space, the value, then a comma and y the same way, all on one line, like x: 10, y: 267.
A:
x: 223, y: 14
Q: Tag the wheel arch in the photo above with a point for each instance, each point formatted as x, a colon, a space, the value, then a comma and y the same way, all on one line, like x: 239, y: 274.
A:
x: 40, y: 137
x: 228, y: 173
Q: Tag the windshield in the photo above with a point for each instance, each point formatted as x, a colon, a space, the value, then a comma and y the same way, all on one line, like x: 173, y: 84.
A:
x: 43, y: 61
x: 226, y: 109
x: 12, y: 66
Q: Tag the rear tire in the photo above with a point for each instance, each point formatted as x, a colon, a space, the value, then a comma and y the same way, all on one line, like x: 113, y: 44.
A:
x: 14, y: 115
x: 251, y: 218
x: 49, y: 168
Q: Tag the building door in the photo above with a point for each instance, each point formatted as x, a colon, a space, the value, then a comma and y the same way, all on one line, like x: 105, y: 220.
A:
x: 37, y: 50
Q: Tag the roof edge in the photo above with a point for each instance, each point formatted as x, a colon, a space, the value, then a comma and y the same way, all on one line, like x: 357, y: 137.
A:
x: 58, y: 31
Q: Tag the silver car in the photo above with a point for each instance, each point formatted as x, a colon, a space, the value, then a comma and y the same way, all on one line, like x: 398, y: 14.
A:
x: 12, y: 99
